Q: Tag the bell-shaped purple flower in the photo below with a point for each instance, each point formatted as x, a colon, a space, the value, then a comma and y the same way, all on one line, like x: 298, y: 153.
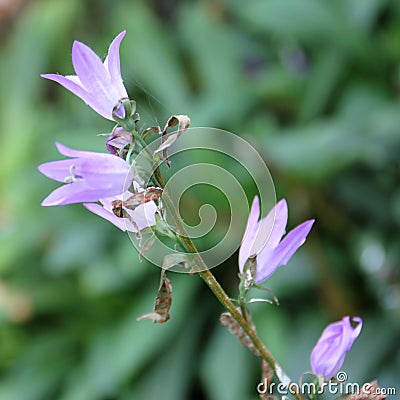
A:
x: 98, y: 84
x: 131, y: 220
x: 87, y: 177
x: 263, y: 239
x: 336, y: 340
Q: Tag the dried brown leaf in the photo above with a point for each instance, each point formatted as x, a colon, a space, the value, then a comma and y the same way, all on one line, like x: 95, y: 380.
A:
x: 152, y: 129
x: 183, y: 123
x: 150, y: 194
x: 162, y: 303
x: 233, y: 327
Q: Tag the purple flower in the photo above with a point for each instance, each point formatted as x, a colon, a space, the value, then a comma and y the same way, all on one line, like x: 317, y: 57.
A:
x: 336, y: 340
x: 98, y: 84
x: 119, y: 139
x: 135, y: 220
x: 89, y: 176
x: 264, y: 239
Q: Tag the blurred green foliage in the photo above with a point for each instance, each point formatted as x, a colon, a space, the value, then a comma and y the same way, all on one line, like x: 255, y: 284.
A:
x: 312, y: 84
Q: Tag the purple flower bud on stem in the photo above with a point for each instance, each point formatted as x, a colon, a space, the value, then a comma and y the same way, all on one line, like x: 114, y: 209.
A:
x: 124, y: 114
x: 119, y: 139
x: 336, y: 340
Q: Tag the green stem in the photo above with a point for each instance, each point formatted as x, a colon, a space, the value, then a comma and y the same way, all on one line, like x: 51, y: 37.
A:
x: 221, y: 295
x: 243, y: 308
x: 212, y: 283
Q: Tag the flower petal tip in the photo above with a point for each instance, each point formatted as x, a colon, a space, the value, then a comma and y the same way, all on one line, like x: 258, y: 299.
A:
x: 62, y: 148
x: 122, y: 34
x: 47, y: 203
x: 282, y: 203
x: 52, y: 77
x: 79, y: 48
x: 256, y: 203
x: 76, y: 43
x: 309, y: 223
x: 281, y: 208
x: 305, y: 228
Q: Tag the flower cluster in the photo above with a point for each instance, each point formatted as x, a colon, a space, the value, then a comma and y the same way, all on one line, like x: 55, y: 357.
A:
x: 106, y: 185
x: 99, y: 180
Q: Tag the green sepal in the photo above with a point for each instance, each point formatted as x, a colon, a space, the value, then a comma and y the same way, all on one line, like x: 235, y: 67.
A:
x: 163, y: 229
x: 248, y: 276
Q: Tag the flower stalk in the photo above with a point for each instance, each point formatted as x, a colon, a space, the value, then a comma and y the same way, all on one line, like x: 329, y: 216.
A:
x: 207, y: 276
x: 198, y: 266
x: 111, y: 186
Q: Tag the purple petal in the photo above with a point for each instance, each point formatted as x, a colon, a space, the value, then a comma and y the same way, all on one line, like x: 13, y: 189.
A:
x: 120, y: 111
x: 76, y: 192
x: 74, y: 85
x: 107, y: 202
x: 71, y: 83
x: 249, y: 234
x: 278, y: 217
x: 144, y: 216
x: 270, y: 259
x: 357, y: 330
x: 103, y: 213
x: 104, y: 172
x: 96, y: 79
x: 336, y: 340
x: 97, y: 169
x: 293, y: 240
x: 68, y: 152
x: 331, y: 366
x: 112, y: 63
x: 118, y: 140
x: 57, y: 170
x: 329, y: 353
x: 271, y: 228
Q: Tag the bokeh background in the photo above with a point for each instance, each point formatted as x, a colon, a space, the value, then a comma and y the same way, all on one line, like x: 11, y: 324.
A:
x: 313, y: 85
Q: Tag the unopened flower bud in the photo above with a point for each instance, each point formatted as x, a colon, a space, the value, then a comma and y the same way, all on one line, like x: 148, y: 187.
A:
x: 124, y: 113
x: 336, y: 340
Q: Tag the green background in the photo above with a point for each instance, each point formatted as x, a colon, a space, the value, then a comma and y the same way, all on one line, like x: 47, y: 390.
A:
x: 312, y: 84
